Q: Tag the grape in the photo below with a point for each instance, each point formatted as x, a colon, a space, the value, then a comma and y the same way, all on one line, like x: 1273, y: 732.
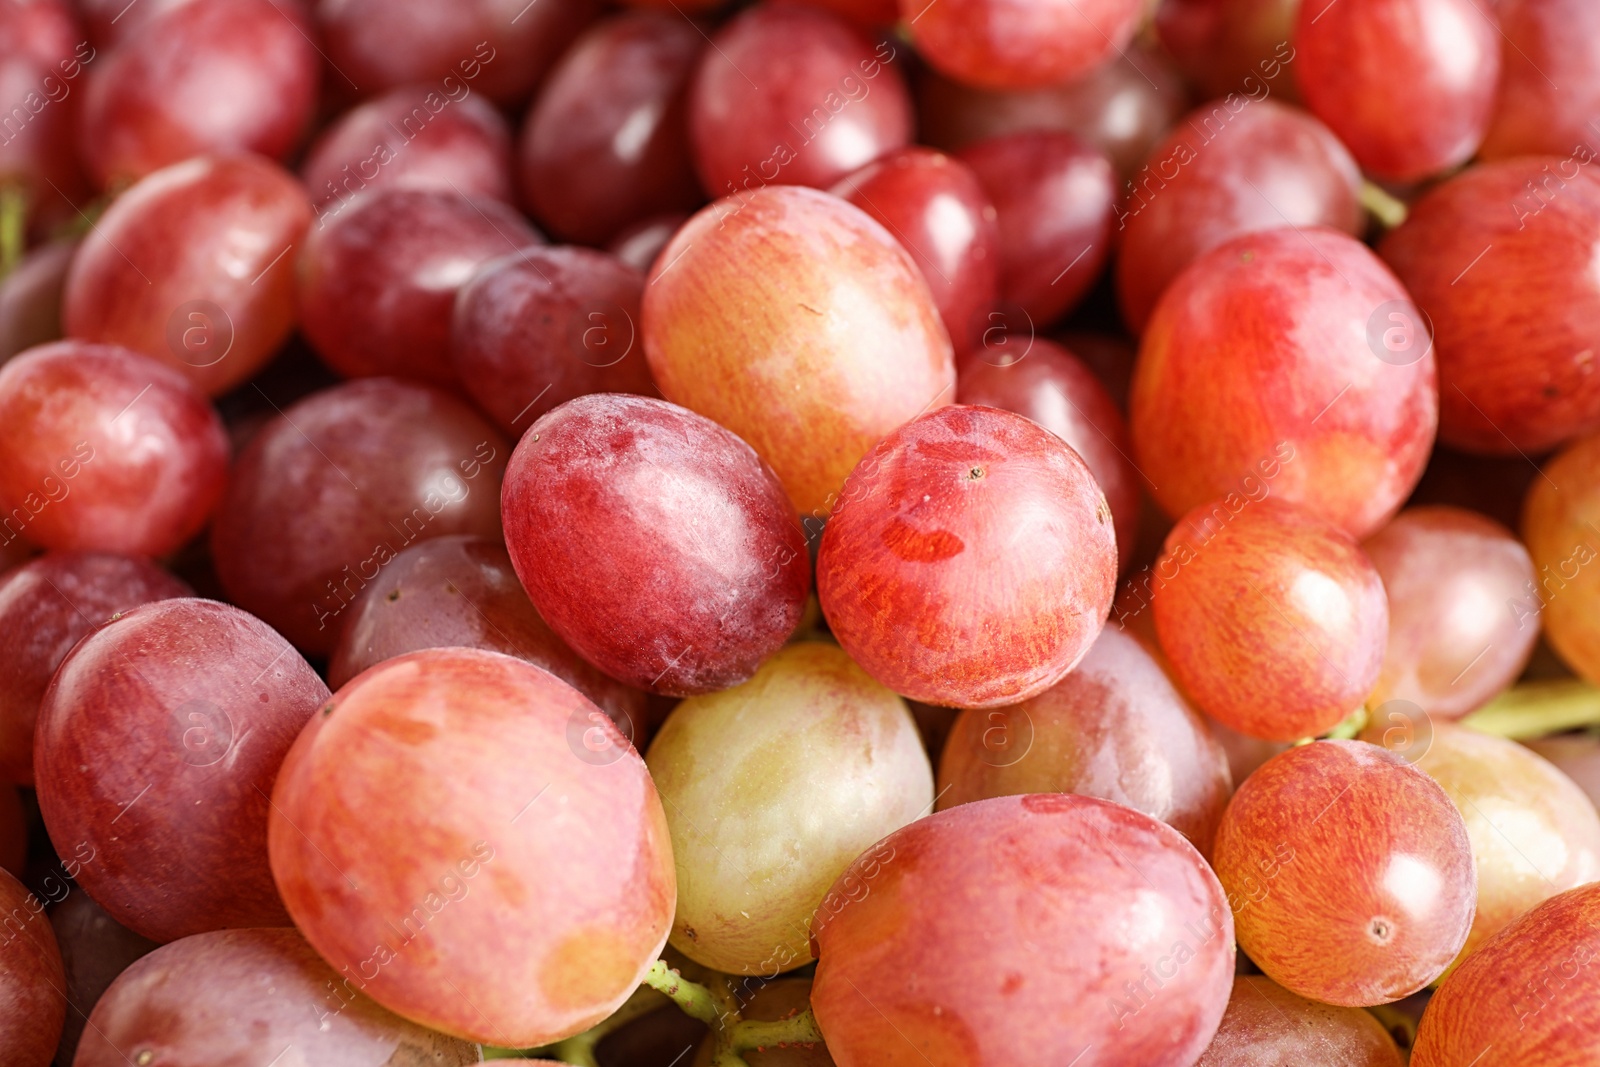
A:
x: 203, y: 77
x: 500, y: 48
x: 793, y: 94
x: 1288, y: 362
x: 1575, y: 755
x: 1558, y: 515
x: 654, y: 542
x: 243, y: 996
x: 38, y: 156
x: 157, y: 745
x: 110, y: 22
x: 31, y: 982
x: 417, y: 135
x: 46, y: 606
x: 1231, y: 46
x: 1122, y: 107
x: 639, y: 244
x: 461, y: 591
x: 607, y: 142
x: 30, y: 298
x: 1273, y: 620
x: 390, y: 315
x: 1268, y: 1026
x: 538, y: 885
x: 1349, y: 873
x: 920, y: 575
x: 1549, y: 81
x: 103, y: 449
x: 1054, y: 388
x: 44, y: 30
x: 381, y: 464
x: 1408, y: 85
x: 1057, y: 924
x: 1005, y: 44
x: 1461, y: 624
x: 934, y: 206
x: 1527, y: 996
x: 800, y: 324
x: 208, y: 288
x: 840, y: 766
x: 1533, y: 831
x: 1501, y: 260
x: 538, y: 327
x: 1055, y: 196
x: 1229, y: 169
x: 1113, y: 728
x: 95, y: 948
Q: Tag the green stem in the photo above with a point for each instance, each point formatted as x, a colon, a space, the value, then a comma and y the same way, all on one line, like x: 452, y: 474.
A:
x: 1386, y: 208
x: 796, y: 1030
x: 13, y: 226
x: 1351, y: 727
x: 578, y: 1050
x: 1537, y: 709
x: 695, y: 999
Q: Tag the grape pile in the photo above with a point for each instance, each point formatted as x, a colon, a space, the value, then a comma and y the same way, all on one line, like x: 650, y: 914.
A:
x: 799, y: 533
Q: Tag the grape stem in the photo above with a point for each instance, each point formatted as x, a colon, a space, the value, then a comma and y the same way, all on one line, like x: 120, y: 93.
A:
x: 1537, y: 709
x: 579, y: 1050
x: 1387, y: 209
x: 13, y: 226
x: 717, y: 1007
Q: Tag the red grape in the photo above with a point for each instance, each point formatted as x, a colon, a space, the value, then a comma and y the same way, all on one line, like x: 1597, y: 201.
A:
x: 1230, y: 46
x: 157, y: 746
x: 654, y: 542
x: 1058, y: 924
x: 934, y: 205
x: 1501, y: 259
x: 607, y: 142
x: 1349, y: 873
x: 416, y: 135
x: 538, y: 327
x: 1461, y: 623
x: 104, y: 449
x: 30, y: 297
x: 921, y: 575
x: 793, y: 94
x: 1274, y: 621
x: 46, y: 606
x: 1020, y: 44
x: 235, y: 996
x: 194, y: 266
x: 46, y: 30
x: 501, y: 48
x: 109, y: 22
x: 640, y: 244
x: 1055, y: 196
x: 1113, y: 728
x: 519, y: 917
x: 334, y: 487
x: 1529, y: 995
x: 38, y: 156
x: 1268, y: 1026
x: 1408, y: 85
x: 95, y: 948
x: 1229, y: 169
x: 1055, y: 389
x: 1290, y: 362
x: 368, y: 313
x: 32, y: 986
x: 204, y: 77
x: 799, y: 323
x: 1549, y: 81
x: 461, y: 591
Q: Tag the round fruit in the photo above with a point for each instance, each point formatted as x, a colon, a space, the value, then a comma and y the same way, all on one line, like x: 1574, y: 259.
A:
x: 31, y: 980
x: 1268, y: 1026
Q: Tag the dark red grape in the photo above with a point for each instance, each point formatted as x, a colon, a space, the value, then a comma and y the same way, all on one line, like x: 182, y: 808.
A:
x: 38, y: 153
x: 1059, y: 924
x: 194, y: 266
x: 236, y: 996
x: 461, y: 591
x: 378, y: 280
x: 46, y: 606
x: 655, y: 542
x: 1549, y: 81
x: 30, y: 298
x: 95, y: 948
x: 793, y: 95
x: 205, y: 77
x: 1056, y: 197
x: 335, y: 486
x: 935, y: 206
x: 1020, y: 44
x: 1231, y: 46
x: 415, y: 135
x: 32, y: 986
x: 640, y: 244
x: 104, y: 449
x: 607, y: 142
x: 538, y: 327
x: 157, y: 746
